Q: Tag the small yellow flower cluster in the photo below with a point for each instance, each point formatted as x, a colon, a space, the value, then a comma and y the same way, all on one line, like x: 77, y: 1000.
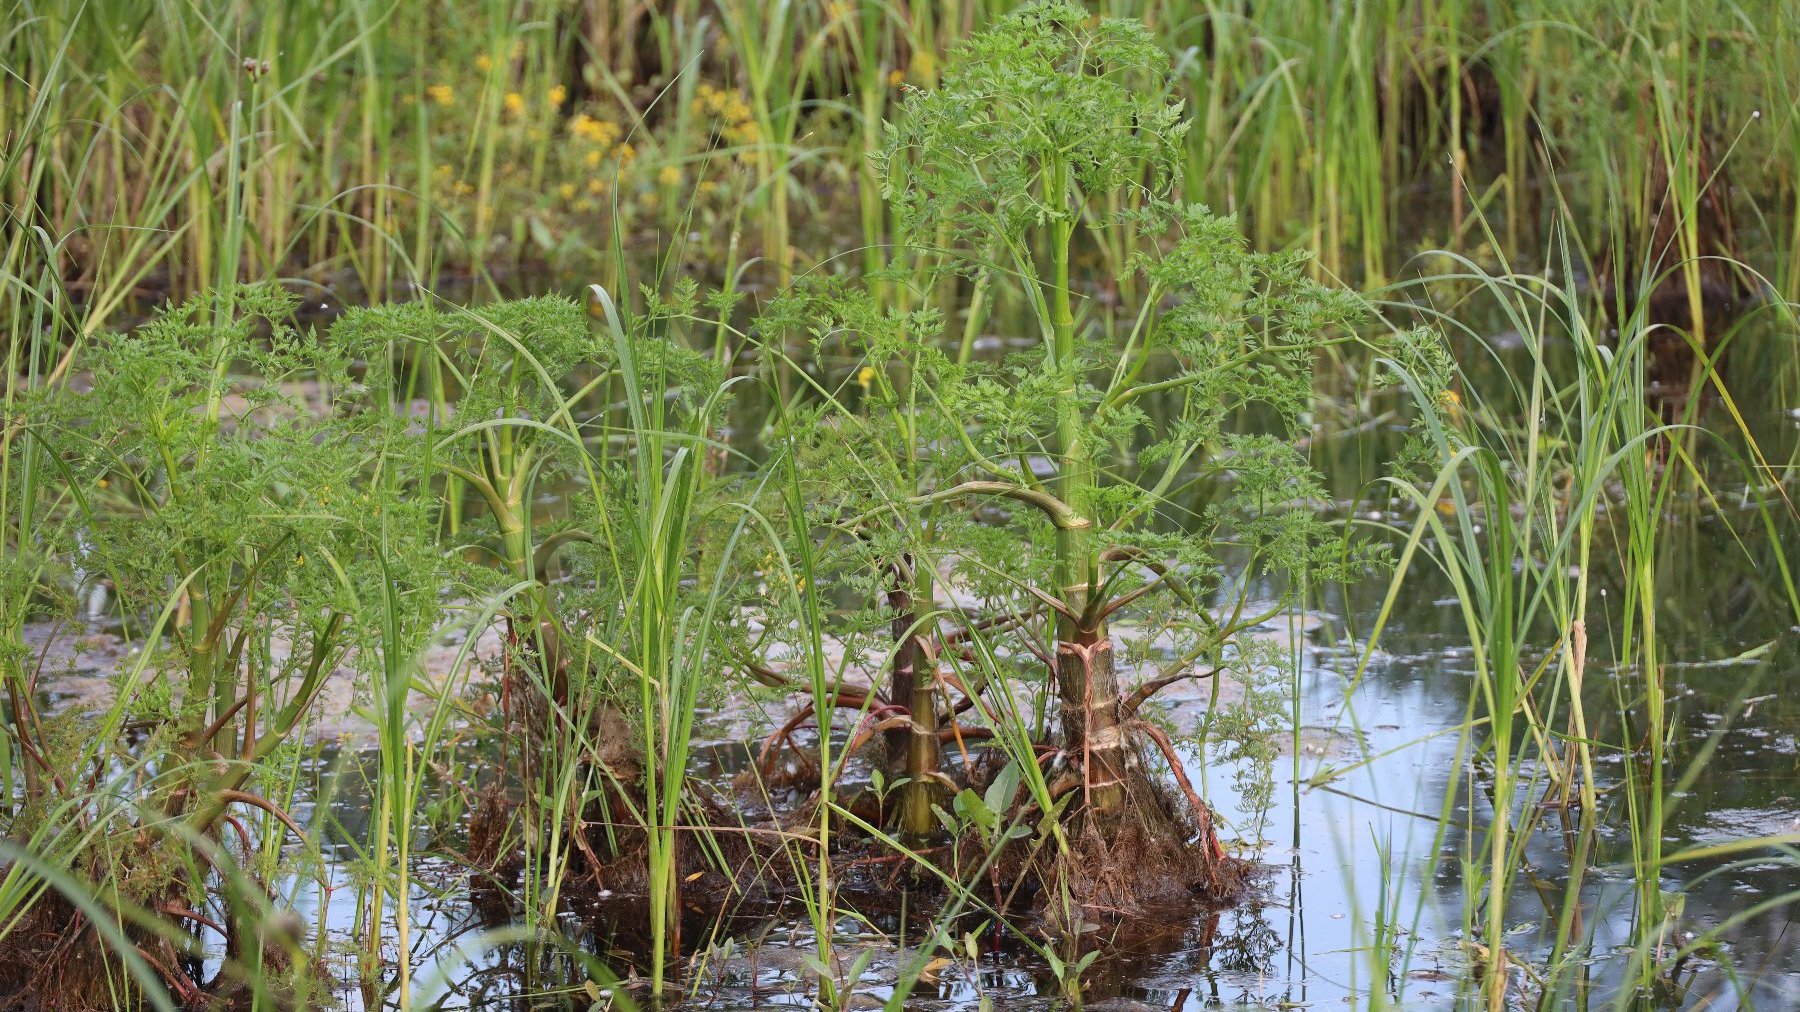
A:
x: 515, y: 102
x: 1450, y: 403
x: 600, y: 140
x: 593, y: 158
x: 445, y: 175
x: 727, y: 104
x: 441, y: 94
x: 596, y: 186
x: 600, y: 132
x: 558, y: 95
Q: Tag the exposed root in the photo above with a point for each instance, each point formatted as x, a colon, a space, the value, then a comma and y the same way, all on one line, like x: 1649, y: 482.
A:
x: 55, y: 959
x: 1153, y: 856
x: 1209, y: 837
x: 1158, y: 853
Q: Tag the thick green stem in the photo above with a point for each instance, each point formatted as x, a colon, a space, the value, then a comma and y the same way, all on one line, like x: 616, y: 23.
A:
x: 917, y: 820
x: 1086, y: 680
x: 918, y: 740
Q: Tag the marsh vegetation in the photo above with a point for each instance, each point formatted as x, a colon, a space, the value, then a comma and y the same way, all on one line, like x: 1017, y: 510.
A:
x: 865, y: 504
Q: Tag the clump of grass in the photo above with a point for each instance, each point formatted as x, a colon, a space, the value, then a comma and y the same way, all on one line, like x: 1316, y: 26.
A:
x: 1534, y: 490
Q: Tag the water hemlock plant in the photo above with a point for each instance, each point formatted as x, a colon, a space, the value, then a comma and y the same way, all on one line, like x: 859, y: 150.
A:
x: 1056, y: 481
x: 239, y: 494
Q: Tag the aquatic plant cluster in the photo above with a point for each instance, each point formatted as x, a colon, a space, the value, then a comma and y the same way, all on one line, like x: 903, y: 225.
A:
x: 927, y: 525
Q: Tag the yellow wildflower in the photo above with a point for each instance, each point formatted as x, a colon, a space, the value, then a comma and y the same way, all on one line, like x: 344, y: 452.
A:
x: 103, y: 483
x: 626, y: 153
x: 599, y: 131
x: 484, y: 62
x: 668, y: 175
x: 865, y: 376
x: 896, y: 77
x: 592, y: 158
x: 567, y: 190
x: 597, y: 185
x: 558, y: 95
x: 1451, y: 404
x: 515, y: 102
x: 441, y: 94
